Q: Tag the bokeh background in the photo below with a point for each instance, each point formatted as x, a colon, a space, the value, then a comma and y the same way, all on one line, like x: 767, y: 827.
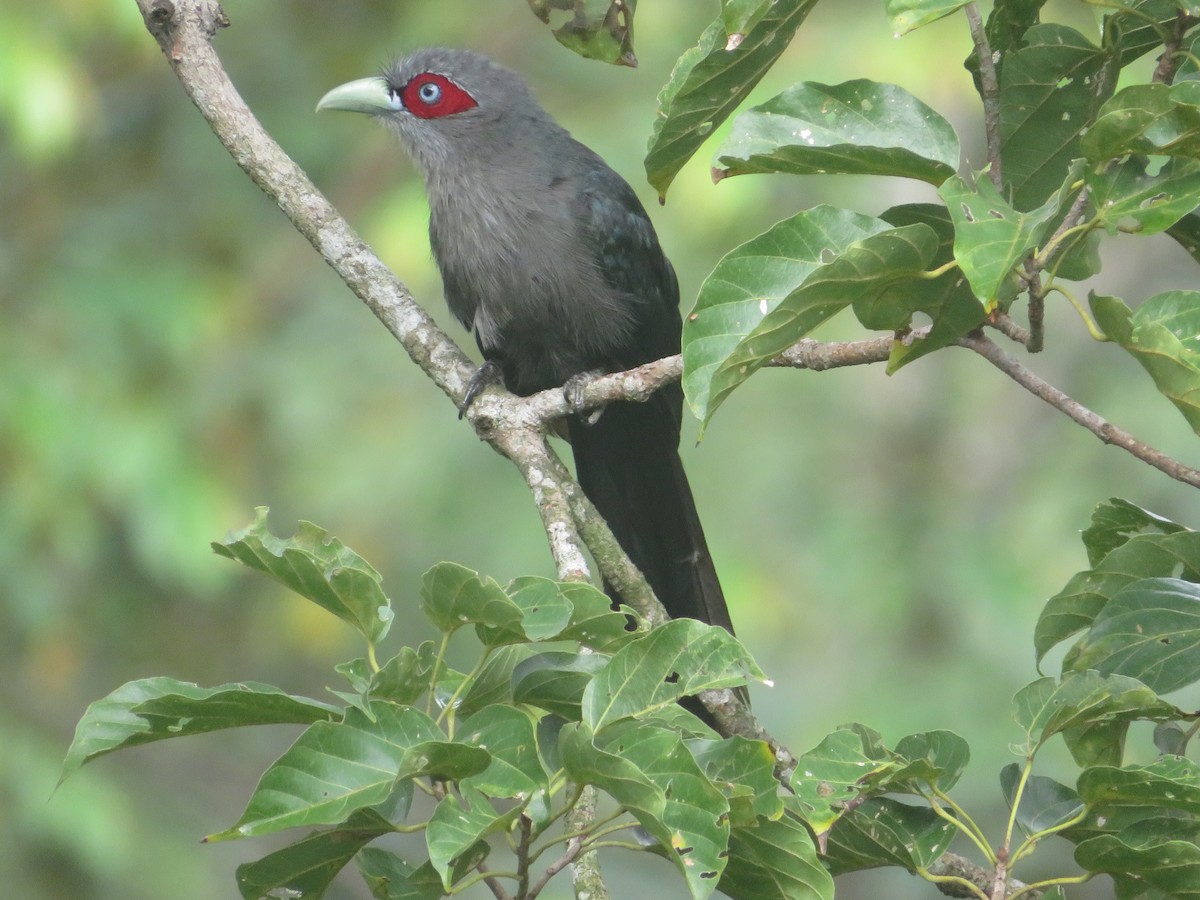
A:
x: 173, y: 354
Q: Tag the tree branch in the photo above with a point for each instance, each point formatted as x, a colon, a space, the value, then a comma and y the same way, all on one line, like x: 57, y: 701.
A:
x: 989, y: 92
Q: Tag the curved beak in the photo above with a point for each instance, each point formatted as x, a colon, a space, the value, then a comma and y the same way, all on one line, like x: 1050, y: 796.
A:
x: 366, y: 95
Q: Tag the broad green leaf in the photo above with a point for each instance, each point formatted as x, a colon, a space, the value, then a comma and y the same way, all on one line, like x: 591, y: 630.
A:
x: 1076, y: 606
x: 1117, y: 521
x: 947, y: 299
x: 555, y: 681
x: 1168, y: 782
x: 457, y: 826
x: 1047, y: 707
x: 453, y: 596
x: 596, y: 29
x: 775, y: 859
x: 1126, y: 197
x: 831, y: 775
x: 404, y: 677
x: 507, y: 735
x: 1149, y: 631
x: 493, y: 683
x: 1172, y: 867
x: 710, y: 81
x: 307, y: 867
x: 594, y: 623
x: 334, y: 768
x: 751, y: 281
x: 391, y: 878
x: 864, y: 272
x: 858, y: 128
x: 1149, y: 119
x: 907, y: 15
x: 932, y: 758
x: 317, y: 566
x: 1139, y: 26
x: 744, y: 770
x: 990, y: 237
x: 154, y: 709
x: 1045, y: 803
x: 695, y: 811
x: 1049, y: 93
x: 739, y: 16
x: 545, y: 612
x: 1099, y: 743
x: 885, y: 832
x: 1162, y: 336
x: 677, y: 659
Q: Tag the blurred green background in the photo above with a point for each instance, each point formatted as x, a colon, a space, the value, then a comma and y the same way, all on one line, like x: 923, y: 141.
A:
x: 173, y: 354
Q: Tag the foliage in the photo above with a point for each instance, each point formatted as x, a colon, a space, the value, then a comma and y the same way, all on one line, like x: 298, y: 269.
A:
x: 564, y: 694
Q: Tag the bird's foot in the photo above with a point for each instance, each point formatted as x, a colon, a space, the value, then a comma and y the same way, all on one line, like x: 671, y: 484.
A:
x: 487, y: 374
x: 573, y: 390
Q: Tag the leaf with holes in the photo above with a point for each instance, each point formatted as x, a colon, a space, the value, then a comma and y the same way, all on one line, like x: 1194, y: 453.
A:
x: 1129, y: 199
x: 745, y: 771
x: 858, y: 128
x: 832, y: 774
x: 1150, y: 119
x: 710, y: 81
x: 677, y: 659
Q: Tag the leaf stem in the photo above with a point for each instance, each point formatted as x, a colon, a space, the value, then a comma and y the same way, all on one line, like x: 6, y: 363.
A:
x: 989, y: 92
x: 967, y: 827
x: 448, y: 710
x: 436, y: 671
x: 953, y: 879
x: 1089, y: 323
x: 967, y: 823
x: 1049, y: 883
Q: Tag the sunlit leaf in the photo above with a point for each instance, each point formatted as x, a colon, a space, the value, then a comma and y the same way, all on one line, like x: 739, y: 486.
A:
x: 710, y: 81
x: 859, y: 127
x: 317, y: 566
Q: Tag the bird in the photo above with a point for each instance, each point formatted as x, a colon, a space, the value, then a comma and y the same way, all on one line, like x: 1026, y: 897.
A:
x: 548, y: 256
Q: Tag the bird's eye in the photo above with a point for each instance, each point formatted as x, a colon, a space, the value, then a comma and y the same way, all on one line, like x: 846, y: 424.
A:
x: 429, y: 93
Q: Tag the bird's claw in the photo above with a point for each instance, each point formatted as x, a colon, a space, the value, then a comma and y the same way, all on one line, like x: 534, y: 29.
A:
x: 487, y: 374
x: 573, y: 393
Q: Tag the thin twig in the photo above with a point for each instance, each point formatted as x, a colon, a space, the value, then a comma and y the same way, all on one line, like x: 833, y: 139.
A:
x: 1168, y: 63
x: 1103, y: 429
x: 989, y: 92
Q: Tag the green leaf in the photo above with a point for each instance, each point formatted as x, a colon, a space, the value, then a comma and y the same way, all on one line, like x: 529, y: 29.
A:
x: 947, y: 299
x: 832, y: 774
x: 1049, y: 93
x: 317, y: 566
x: 391, y: 878
x: 1186, y: 233
x: 932, y: 758
x: 457, y: 826
x: 885, y: 832
x: 677, y: 659
x: 1117, y: 521
x: 990, y: 237
x: 307, y: 867
x: 751, y: 281
x: 334, y: 768
x: 710, y: 81
x: 1150, y: 119
x: 1149, y: 631
x: 594, y: 623
x: 741, y: 15
x: 859, y: 128
x: 404, y: 677
x: 1162, y: 336
x: 1126, y: 197
x: 492, y: 684
x: 864, y: 273
x: 1168, y: 782
x: 154, y: 709
x: 1045, y: 803
x: 1172, y: 867
x: 453, y: 596
x: 744, y: 770
x: 545, y: 612
x: 555, y: 681
x: 775, y: 859
x: 1076, y: 606
x: 907, y: 15
x: 1047, y: 707
x: 649, y: 771
x: 597, y: 29
x: 507, y: 735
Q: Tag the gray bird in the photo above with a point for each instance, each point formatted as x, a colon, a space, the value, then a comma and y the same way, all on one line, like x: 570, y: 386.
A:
x: 547, y: 255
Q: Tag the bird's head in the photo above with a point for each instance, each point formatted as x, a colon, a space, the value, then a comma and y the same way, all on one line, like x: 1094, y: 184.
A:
x: 446, y: 105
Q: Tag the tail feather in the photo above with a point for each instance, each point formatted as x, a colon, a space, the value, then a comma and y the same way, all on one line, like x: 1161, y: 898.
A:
x: 628, y: 464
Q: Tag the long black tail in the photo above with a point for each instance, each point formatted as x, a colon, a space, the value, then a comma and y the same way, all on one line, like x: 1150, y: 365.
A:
x: 628, y: 464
